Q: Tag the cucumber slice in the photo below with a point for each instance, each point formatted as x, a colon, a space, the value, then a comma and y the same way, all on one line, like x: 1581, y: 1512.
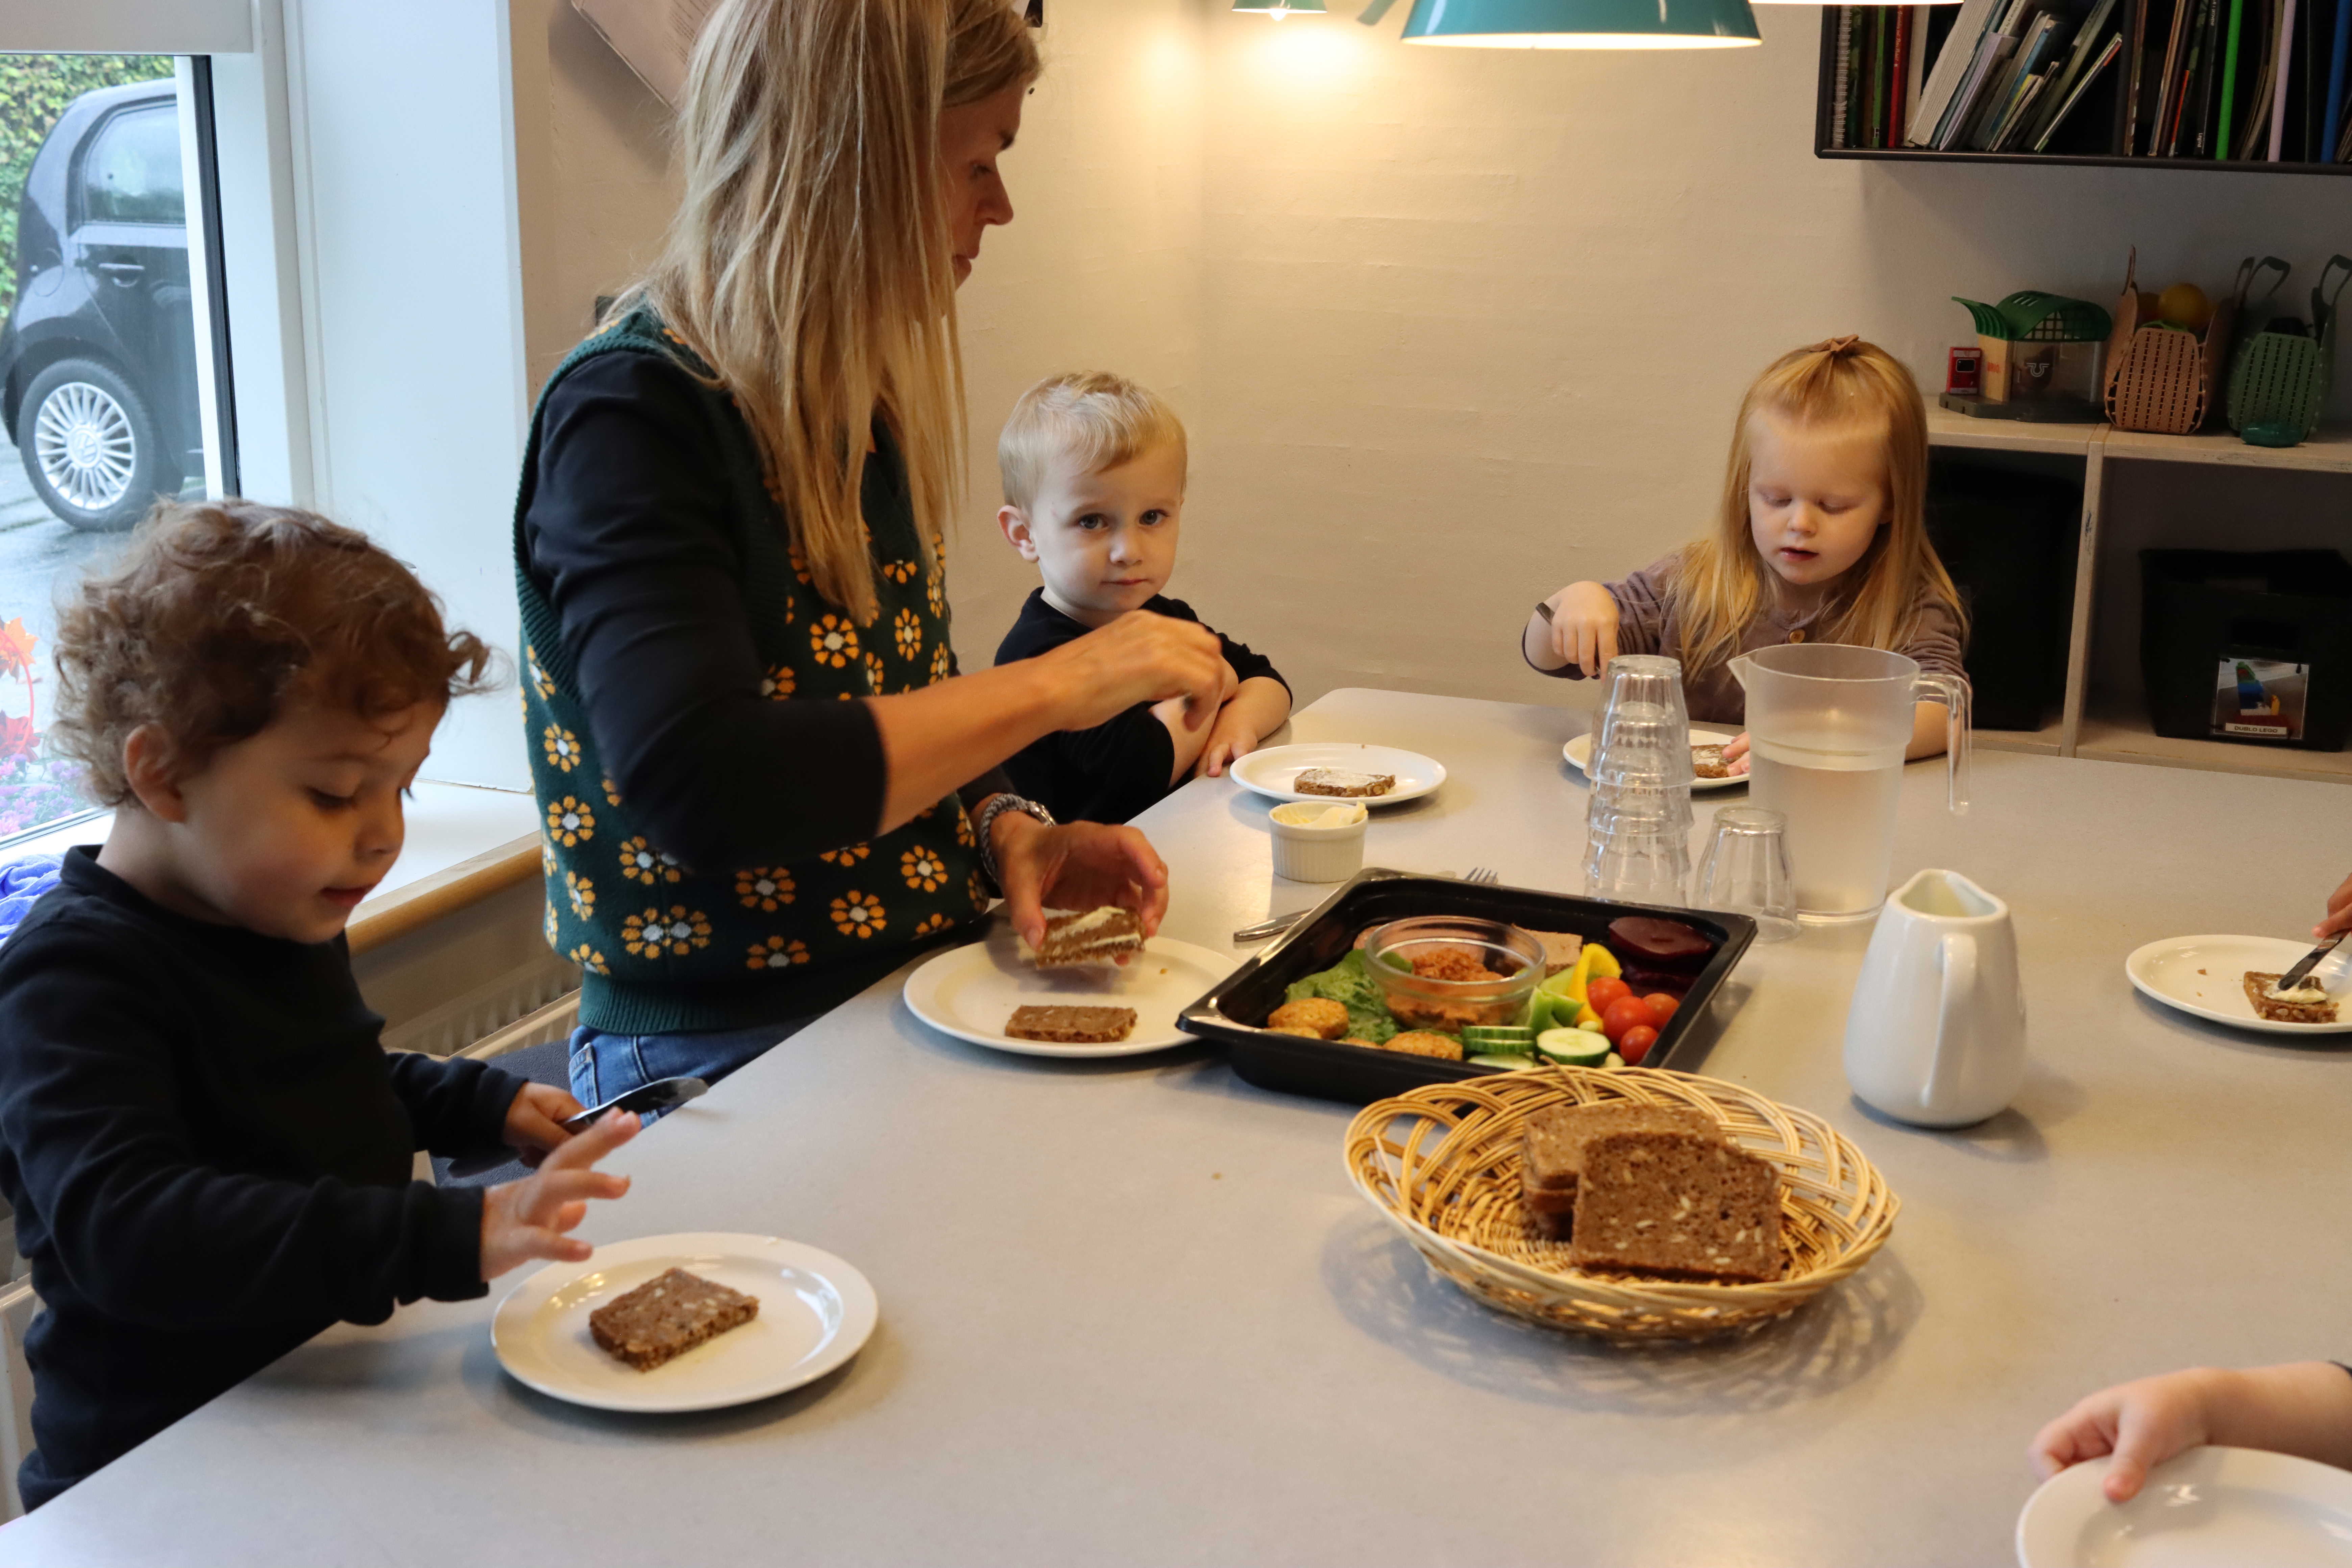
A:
x: 1572, y: 1047
x: 1504, y: 1035
x: 1505, y: 1061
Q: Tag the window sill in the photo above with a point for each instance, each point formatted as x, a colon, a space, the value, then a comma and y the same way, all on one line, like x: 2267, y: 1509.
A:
x: 464, y: 843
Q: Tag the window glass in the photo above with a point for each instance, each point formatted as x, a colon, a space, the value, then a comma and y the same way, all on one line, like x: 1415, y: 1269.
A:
x: 132, y: 172
x: 98, y: 358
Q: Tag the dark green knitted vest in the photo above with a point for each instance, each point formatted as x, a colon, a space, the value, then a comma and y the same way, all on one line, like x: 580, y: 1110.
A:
x: 663, y: 947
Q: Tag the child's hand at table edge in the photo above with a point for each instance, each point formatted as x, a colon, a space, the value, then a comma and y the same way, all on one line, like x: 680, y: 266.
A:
x: 527, y: 1220
x: 2339, y: 912
x: 535, y: 1121
x: 1075, y: 866
x: 1735, y: 754
x: 2142, y: 1423
x: 1233, y: 738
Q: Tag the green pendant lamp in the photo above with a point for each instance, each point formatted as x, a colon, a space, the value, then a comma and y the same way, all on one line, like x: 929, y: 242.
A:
x: 1278, y: 9
x: 1583, y: 24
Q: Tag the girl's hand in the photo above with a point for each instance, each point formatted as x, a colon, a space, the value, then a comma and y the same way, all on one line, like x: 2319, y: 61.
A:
x: 1074, y: 865
x: 2339, y: 912
x: 1584, y: 627
x: 2142, y: 1423
x: 535, y: 1121
x: 1735, y: 754
x: 1141, y: 657
x: 527, y: 1219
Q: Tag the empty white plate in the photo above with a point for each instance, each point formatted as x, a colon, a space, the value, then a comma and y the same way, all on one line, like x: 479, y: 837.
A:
x: 2208, y: 1508
x: 2206, y: 975
x: 1271, y: 772
x: 1578, y: 751
x: 815, y: 1311
x: 970, y: 992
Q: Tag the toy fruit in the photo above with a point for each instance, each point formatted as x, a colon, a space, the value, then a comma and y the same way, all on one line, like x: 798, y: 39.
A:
x: 2185, y: 305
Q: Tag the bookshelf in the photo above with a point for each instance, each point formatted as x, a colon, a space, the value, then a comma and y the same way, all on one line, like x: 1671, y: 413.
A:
x: 2138, y: 491
x: 2092, y: 135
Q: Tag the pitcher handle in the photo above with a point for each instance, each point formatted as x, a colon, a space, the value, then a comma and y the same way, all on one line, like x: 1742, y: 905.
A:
x: 1957, y: 952
x: 1952, y: 692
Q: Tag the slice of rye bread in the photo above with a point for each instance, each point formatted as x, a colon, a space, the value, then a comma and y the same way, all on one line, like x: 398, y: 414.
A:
x: 1340, y: 782
x: 1089, y: 936
x: 2276, y: 1012
x: 667, y: 1316
x: 1679, y: 1206
x: 1708, y: 763
x: 1552, y: 1144
x: 1071, y: 1025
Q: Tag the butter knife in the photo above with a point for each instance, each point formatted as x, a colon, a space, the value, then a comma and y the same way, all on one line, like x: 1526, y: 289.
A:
x: 2304, y: 965
x: 662, y: 1094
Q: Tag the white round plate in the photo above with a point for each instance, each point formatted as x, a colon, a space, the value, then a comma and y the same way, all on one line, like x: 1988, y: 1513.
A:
x: 815, y: 1311
x: 1270, y: 772
x: 2208, y: 1508
x: 970, y: 992
x: 1578, y: 751
x: 2206, y: 975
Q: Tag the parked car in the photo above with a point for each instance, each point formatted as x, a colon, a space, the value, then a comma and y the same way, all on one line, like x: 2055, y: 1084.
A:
x: 97, y: 362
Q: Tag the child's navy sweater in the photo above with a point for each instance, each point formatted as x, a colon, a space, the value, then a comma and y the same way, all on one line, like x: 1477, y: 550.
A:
x: 1113, y: 771
x: 208, y: 1152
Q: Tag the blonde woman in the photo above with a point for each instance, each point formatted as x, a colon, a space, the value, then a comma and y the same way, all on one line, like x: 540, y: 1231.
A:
x: 764, y: 782
x: 1823, y: 537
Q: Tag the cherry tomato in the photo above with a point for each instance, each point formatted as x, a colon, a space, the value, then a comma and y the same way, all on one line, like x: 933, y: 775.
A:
x: 1603, y: 990
x: 1626, y: 1012
x: 1636, y: 1043
x: 1662, y: 1005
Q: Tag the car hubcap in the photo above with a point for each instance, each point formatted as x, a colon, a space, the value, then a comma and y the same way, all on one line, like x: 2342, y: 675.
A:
x: 82, y: 439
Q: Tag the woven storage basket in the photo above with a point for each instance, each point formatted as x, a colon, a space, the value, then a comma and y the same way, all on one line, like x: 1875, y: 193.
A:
x: 2163, y: 379
x: 1442, y: 1163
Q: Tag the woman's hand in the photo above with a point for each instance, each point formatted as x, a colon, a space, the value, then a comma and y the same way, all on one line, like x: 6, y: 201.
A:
x: 527, y: 1219
x: 1074, y: 865
x: 2339, y: 912
x: 1141, y: 657
x: 1583, y: 627
x: 1735, y: 754
x: 535, y: 1121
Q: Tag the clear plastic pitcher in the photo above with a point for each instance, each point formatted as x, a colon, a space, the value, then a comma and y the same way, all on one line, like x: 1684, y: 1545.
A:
x: 1827, y: 727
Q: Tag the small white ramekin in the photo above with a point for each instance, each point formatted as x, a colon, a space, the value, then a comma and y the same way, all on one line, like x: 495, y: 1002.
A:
x: 1307, y: 853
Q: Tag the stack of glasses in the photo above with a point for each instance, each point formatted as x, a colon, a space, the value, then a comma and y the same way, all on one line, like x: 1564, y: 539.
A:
x: 1637, y: 827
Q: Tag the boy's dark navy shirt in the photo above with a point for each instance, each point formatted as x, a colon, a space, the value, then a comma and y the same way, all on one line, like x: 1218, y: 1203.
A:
x: 208, y: 1152
x: 1113, y: 771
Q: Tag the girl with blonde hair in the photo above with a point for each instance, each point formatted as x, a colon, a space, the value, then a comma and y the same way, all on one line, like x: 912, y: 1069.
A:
x: 1821, y: 537
x: 763, y: 780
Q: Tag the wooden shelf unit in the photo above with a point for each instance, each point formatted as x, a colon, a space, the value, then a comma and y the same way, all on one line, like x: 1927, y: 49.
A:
x: 2096, y: 725
x: 2089, y: 143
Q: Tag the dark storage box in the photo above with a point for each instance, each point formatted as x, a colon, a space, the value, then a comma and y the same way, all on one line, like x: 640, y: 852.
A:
x: 1233, y: 1013
x: 2007, y: 539
x: 2201, y: 610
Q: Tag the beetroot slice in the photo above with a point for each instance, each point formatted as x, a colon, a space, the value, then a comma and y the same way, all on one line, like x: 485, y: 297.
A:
x: 1648, y: 942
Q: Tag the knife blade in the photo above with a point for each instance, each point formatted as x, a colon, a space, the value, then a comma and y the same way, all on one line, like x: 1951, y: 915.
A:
x: 662, y: 1094
x: 2304, y: 964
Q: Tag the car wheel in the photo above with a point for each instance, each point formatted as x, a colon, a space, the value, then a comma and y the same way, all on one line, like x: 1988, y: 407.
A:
x: 91, y: 448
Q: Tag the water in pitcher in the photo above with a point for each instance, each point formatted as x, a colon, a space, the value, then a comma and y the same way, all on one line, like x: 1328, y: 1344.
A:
x: 1841, y: 806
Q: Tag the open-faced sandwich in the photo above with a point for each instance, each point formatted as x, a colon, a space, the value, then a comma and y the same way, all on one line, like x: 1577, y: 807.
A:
x: 2306, y: 1003
x: 1340, y: 782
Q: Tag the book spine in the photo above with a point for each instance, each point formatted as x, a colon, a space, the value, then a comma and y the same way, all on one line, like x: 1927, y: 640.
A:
x: 2138, y: 55
x: 1898, y: 76
x: 1839, y: 82
x: 1951, y: 63
x: 2282, y: 59
x: 2106, y: 56
x: 2229, y: 79
x: 2332, y: 122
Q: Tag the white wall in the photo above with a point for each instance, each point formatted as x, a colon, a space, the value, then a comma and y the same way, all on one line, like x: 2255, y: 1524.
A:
x: 1450, y: 327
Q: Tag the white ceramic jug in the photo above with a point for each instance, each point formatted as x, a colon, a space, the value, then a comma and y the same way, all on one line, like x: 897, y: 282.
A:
x: 1937, y: 1033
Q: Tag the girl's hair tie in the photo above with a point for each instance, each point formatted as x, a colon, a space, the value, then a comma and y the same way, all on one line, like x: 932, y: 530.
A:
x: 1838, y: 348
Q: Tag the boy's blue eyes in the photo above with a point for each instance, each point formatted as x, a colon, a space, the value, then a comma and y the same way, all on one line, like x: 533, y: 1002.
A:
x: 1095, y: 520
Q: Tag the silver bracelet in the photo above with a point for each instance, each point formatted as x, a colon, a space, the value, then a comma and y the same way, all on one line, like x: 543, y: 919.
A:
x: 991, y: 808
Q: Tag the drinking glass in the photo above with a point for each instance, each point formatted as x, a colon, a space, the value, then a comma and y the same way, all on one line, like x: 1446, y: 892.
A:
x: 1745, y: 872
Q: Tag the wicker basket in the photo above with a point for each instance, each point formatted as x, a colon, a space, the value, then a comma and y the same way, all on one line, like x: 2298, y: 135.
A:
x: 2161, y: 378
x: 1442, y: 1163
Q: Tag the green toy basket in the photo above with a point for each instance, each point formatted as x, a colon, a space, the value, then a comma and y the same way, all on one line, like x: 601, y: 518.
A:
x: 2278, y: 383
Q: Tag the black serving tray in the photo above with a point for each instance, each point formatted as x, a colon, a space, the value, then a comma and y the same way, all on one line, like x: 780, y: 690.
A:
x: 1232, y: 1011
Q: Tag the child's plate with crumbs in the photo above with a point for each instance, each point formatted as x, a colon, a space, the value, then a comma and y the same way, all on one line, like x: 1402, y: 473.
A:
x: 1272, y: 773
x: 815, y: 1313
x: 970, y: 992
x: 2205, y: 976
x: 1578, y: 752
x: 2208, y: 1508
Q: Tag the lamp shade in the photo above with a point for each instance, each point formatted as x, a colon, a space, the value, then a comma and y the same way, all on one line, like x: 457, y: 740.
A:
x: 1278, y: 9
x: 1583, y: 24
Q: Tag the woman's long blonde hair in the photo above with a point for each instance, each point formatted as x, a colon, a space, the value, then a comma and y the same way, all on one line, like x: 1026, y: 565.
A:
x: 810, y: 263
x: 1721, y: 585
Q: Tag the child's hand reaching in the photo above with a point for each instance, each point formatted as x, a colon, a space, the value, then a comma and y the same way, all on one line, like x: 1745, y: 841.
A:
x: 2339, y: 912
x: 1584, y: 627
x: 535, y: 1121
x: 2142, y: 1423
x: 1735, y: 754
x: 527, y: 1219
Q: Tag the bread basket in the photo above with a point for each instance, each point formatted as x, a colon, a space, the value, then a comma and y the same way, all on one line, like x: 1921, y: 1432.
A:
x: 1442, y: 1163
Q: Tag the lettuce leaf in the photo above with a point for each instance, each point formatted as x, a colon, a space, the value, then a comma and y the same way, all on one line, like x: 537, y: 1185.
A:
x: 1349, y: 984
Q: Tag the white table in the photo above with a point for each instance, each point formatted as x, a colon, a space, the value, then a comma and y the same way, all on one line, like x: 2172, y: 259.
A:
x: 1133, y: 1313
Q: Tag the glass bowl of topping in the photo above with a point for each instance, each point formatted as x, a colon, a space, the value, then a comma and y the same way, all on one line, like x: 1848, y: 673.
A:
x: 1443, y: 972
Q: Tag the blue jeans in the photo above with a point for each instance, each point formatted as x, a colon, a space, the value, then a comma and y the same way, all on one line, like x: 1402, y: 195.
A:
x: 605, y: 1066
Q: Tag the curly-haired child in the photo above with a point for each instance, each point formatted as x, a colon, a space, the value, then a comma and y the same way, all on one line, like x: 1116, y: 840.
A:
x: 207, y: 1149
